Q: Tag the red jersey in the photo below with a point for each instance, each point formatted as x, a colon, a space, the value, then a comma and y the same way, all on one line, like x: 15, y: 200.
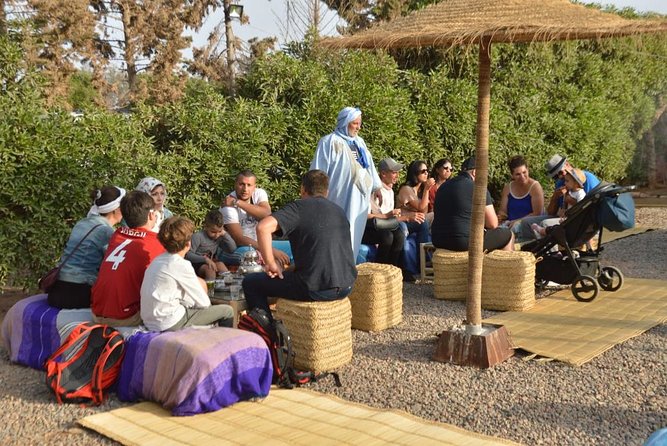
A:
x: 116, y: 293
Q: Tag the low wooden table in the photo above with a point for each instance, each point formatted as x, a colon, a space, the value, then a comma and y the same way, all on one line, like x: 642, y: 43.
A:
x: 238, y: 305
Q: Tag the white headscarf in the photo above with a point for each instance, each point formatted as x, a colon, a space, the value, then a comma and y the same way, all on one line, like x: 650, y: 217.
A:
x: 108, y: 207
x: 149, y: 183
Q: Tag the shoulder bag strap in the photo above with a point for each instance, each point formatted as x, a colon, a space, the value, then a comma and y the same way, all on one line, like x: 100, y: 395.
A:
x: 79, y: 244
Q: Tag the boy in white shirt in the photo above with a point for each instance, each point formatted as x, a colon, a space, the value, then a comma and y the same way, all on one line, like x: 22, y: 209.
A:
x: 172, y: 296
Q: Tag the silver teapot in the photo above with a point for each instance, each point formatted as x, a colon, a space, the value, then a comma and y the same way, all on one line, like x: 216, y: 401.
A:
x: 250, y: 263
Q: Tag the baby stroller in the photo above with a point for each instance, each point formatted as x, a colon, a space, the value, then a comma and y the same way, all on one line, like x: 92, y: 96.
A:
x: 607, y: 206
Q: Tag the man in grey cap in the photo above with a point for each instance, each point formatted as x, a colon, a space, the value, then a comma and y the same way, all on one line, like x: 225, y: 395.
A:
x: 453, y: 215
x: 410, y: 222
x: 556, y: 168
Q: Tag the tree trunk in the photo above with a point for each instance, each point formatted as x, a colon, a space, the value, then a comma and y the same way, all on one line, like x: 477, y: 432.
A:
x: 130, y: 49
x: 3, y: 18
x: 315, y: 24
x: 475, y: 248
x: 649, y: 137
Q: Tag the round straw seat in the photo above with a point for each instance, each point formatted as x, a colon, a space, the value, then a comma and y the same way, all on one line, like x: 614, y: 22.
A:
x: 320, y: 331
x: 450, y: 269
x: 508, y: 281
x: 377, y: 297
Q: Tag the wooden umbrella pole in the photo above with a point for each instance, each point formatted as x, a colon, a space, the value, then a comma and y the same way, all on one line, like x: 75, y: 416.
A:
x: 475, y: 248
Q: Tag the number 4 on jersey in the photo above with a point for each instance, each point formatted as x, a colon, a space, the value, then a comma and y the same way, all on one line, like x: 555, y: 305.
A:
x: 118, y: 255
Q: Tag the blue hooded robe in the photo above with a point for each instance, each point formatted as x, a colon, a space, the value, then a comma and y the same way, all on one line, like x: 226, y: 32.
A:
x: 351, y: 181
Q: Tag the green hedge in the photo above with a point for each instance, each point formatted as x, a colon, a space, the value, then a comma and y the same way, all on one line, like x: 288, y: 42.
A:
x: 591, y: 101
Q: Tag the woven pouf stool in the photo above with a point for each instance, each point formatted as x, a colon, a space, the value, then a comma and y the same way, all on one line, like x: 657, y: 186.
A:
x: 320, y: 331
x: 377, y: 297
x: 450, y: 270
x: 508, y: 281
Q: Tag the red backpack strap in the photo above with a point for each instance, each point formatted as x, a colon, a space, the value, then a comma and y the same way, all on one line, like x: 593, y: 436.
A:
x: 73, y: 336
x: 104, y: 372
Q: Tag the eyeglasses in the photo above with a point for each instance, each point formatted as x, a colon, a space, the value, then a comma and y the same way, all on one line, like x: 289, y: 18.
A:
x: 423, y: 171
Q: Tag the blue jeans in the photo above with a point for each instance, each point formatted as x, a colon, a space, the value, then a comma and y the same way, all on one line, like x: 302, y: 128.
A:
x: 410, y: 253
x: 258, y: 287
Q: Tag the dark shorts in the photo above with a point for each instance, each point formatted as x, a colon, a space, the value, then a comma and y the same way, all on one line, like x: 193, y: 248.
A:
x: 69, y: 295
x: 496, y: 238
x: 197, y: 266
x: 493, y: 239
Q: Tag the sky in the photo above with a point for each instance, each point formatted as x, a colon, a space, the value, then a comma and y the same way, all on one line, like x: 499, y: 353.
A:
x: 269, y: 18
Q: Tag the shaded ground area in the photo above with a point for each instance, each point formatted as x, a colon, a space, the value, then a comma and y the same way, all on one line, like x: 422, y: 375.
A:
x: 8, y: 297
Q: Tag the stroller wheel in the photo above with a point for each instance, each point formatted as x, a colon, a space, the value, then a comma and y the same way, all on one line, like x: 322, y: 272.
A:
x: 611, y: 278
x: 585, y: 288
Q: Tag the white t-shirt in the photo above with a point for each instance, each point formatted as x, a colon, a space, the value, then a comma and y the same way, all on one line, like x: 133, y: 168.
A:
x: 578, y: 195
x: 169, y: 287
x: 387, y: 199
x: 248, y: 223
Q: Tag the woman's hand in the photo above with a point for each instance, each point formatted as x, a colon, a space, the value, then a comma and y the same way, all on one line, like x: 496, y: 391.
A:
x: 429, y: 183
x: 419, y: 217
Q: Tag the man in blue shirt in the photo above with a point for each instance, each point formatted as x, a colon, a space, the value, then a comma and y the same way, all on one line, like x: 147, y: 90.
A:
x: 556, y: 168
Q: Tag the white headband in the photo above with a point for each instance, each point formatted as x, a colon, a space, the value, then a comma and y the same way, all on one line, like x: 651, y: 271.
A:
x: 109, y: 207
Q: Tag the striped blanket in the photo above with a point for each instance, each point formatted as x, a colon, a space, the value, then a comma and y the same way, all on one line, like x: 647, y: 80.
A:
x: 29, y: 331
x: 195, y: 370
x: 189, y: 371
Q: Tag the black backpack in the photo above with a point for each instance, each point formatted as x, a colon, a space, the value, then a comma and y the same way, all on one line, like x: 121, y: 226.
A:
x: 276, y: 337
x: 278, y: 340
x: 86, y: 364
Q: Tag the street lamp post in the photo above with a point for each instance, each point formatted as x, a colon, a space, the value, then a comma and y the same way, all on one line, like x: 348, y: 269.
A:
x: 232, y: 11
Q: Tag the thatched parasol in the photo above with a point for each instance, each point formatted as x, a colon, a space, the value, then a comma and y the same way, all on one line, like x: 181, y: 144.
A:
x: 483, y: 22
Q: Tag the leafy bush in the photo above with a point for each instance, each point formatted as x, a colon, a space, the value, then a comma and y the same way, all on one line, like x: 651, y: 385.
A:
x: 590, y: 101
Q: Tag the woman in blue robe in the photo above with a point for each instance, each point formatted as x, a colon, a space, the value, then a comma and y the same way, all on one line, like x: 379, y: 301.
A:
x: 344, y: 157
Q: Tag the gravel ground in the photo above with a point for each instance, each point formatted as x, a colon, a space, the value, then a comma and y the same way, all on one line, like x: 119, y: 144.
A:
x: 619, y: 398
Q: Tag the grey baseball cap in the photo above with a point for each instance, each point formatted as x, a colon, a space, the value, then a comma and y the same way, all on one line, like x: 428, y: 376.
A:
x: 390, y: 164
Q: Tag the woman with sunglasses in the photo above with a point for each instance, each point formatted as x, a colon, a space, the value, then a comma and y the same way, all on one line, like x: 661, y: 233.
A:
x: 413, y: 203
x: 413, y: 193
x: 442, y: 170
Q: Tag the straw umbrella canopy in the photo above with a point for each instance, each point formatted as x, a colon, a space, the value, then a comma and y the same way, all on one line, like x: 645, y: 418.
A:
x: 483, y: 22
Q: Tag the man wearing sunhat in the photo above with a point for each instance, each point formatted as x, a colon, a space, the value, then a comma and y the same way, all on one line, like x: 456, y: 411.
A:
x: 453, y: 215
x: 556, y: 168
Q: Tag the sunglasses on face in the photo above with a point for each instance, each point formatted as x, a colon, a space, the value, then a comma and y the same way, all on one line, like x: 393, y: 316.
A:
x: 446, y: 168
x: 423, y: 171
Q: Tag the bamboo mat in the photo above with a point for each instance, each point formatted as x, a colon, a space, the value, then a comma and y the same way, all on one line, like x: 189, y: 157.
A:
x: 285, y: 417
x: 575, y: 332
x: 609, y: 236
